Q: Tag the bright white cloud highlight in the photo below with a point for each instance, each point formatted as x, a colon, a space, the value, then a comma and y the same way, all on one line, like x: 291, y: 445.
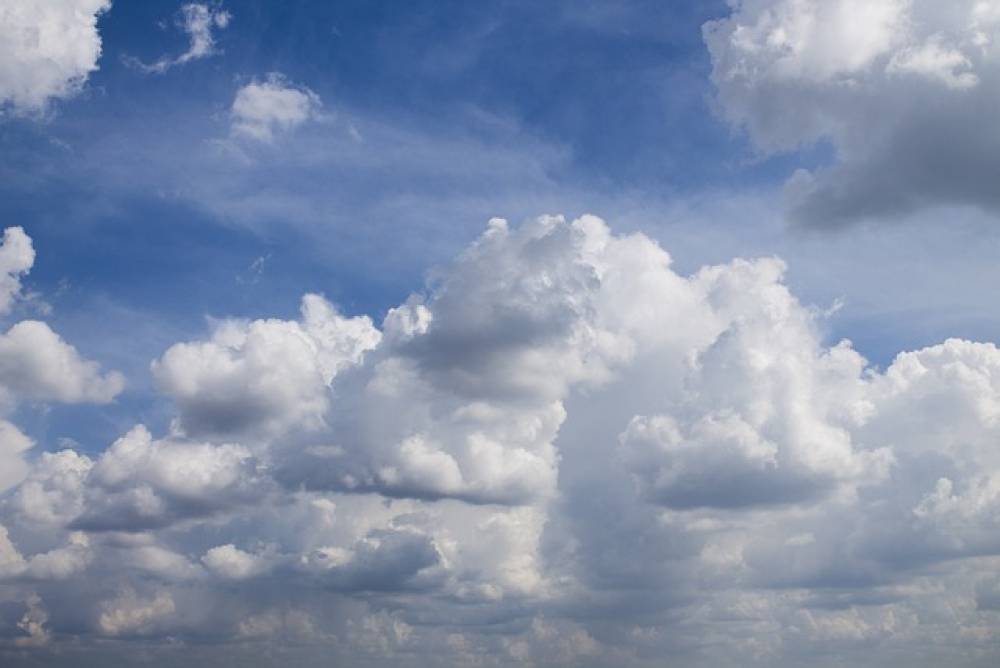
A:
x: 47, y: 50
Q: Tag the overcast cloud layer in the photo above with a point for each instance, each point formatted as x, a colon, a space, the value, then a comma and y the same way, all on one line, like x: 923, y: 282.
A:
x: 565, y: 447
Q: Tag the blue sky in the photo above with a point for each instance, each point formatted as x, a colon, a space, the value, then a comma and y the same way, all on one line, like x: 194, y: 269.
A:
x: 187, y: 172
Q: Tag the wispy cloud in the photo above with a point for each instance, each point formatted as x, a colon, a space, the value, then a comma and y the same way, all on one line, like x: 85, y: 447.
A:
x: 198, y: 21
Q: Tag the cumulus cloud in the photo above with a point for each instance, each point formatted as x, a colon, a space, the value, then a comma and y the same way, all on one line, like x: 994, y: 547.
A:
x: 563, y: 451
x: 465, y: 397
x: 47, y: 50
x: 197, y: 21
x: 36, y: 364
x: 52, y: 494
x: 140, y: 483
x: 264, y: 109
x: 901, y: 89
x: 266, y: 375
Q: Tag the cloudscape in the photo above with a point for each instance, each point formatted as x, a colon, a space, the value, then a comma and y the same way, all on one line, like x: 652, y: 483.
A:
x: 597, y: 333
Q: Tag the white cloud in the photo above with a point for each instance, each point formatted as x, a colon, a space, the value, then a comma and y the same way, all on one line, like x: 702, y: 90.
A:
x: 198, y: 21
x: 36, y: 364
x: 52, y: 494
x: 263, y: 109
x: 13, y: 444
x: 141, y: 483
x: 900, y: 88
x: 268, y: 375
x: 162, y: 563
x: 47, y: 50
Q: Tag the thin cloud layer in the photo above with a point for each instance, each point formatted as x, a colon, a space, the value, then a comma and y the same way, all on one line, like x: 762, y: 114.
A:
x: 198, y: 21
x: 562, y: 452
x: 902, y: 90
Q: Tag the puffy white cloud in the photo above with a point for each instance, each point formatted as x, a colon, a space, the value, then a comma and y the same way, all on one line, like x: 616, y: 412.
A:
x: 36, y: 364
x: 47, y: 50
x: 198, y: 21
x: 263, y: 109
x: 900, y: 88
x: 768, y: 412
x: 267, y: 375
x: 16, y: 258
x: 140, y: 483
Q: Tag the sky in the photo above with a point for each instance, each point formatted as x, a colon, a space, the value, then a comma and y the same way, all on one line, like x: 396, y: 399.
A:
x: 592, y: 333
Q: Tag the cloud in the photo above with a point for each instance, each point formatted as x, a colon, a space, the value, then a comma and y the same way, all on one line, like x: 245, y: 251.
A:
x: 13, y: 444
x: 263, y: 109
x: 561, y: 450
x: 16, y: 258
x: 900, y: 89
x: 52, y: 494
x: 139, y: 483
x: 228, y: 561
x: 58, y: 564
x: 198, y: 21
x: 130, y: 614
x: 266, y: 375
x: 384, y: 560
x: 36, y: 364
x: 47, y: 50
